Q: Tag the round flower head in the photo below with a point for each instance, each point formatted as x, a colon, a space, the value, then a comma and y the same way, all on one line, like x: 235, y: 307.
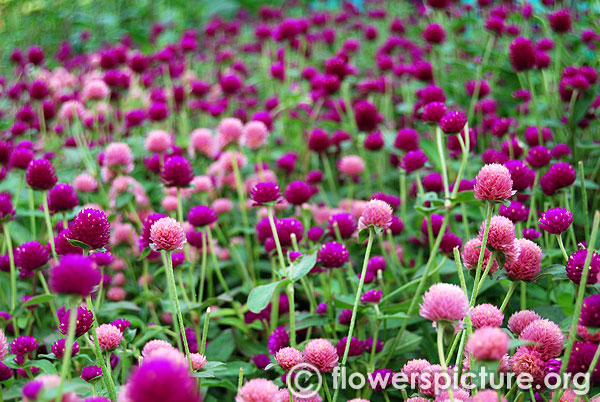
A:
x: 40, y: 174
x: 377, y: 213
x: 158, y: 141
x: 521, y: 175
x: 85, y: 183
x: 255, y: 134
x: 560, y: 20
x: 286, y: 227
x: 528, y: 360
x: 154, y: 345
x: 7, y: 211
x: 198, y: 361
x: 413, y: 370
x: 21, y: 157
x: 556, y: 220
x: 90, y: 373
x: 371, y: 296
x: 486, y: 315
x: 62, y: 198
x: 23, y: 345
x: 356, y: 348
x: 58, y: 348
x: 501, y: 234
x: 522, y: 54
x: 83, y: 322
x: 576, y: 263
x: 74, y: 274
x: 90, y: 227
x: 471, y: 252
x: 444, y: 302
x: 288, y: 357
x: 333, y: 255
x: 560, y: 175
x: 488, y: 344
x: 298, y: 192
x: 413, y: 160
x: 118, y: 155
x: 516, y: 211
x: 109, y: 336
x: 527, y: 264
x: 177, y: 171
x: 351, y: 165
x: 521, y: 319
x: 258, y: 390
x: 162, y: 379
x: 229, y: 130
x: 3, y: 345
x: 345, y: 222
x: 265, y: 192
x: 590, y: 312
x: 366, y: 115
x: 31, y: 255
x: 488, y: 395
x: 547, y: 335
x: 493, y: 183
x: 322, y: 354
x: 284, y: 395
x: 278, y: 340
x: 201, y: 215
x: 538, y: 156
x: 453, y: 122
x: 167, y: 234
x: 407, y: 139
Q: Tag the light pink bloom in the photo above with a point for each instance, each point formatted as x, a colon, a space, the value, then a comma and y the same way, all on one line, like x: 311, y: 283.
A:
x: 255, y: 134
x: 229, y: 130
x: 351, y: 165
x: 109, y: 336
x: 377, y: 213
x: 153, y: 345
x: 167, y: 234
x: 258, y: 390
x: 488, y: 344
x: 486, y: 315
x: 198, y: 361
x: 322, y: 354
x: 85, y: 183
x: 493, y: 183
x: 444, y: 302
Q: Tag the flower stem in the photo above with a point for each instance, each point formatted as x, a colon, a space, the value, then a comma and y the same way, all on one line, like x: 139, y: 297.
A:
x: 439, y: 139
x: 486, y: 231
x: 216, y: 261
x: 440, y: 348
x: 66, y: 362
x: 13, y: 272
x: 562, y: 247
x: 32, y: 226
x: 511, y: 290
x: 49, y: 226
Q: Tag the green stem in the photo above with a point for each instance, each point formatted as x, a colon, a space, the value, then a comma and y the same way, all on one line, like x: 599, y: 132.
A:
x: 439, y: 139
x: 216, y: 261
x: 562, y: 247
x: 32, y: 226
x: 13, y: 271
x: 49, y: 226
x: 66, y: 362
x: 585, y: 201
x: 511, y: 290
x: 440, y: 348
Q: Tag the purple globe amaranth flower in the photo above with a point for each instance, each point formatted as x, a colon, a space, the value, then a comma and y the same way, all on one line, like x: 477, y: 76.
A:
x: 298, y: 192
x: 560, y: 20
x: 7, y: 211
x: 91, y: 373
x: 371, y: 296
x: 345, y: 222
x: 333, y: 255
x: 433, y: 112
x: 521, y: 175
x: 413, y: 160
x: 560, y: 175
x: 23, y: 345
x: 286, y: 227
x: 538, y: 156
x: 407, y: 139
x: 90, y: 227
x: 83, y: 322
x: 278, y: 339
x: 21, y: 157
x: 576, y: 263
x: 261, y: 360
x: 201, y: 215
x: 177, y: 171
x: 515, y: 211
x: 556, y: 220
x: 265, y: 193
x: 522, y: 54
x: 453, y: 122
x: 74, y: 274
x: 449, y: 242
x: 366, y: 115
x: 590, y: 311
x: 345, y: 316
x: 357, y: 347
x: 31, y: 255
x: 40, y: 174
x: 58, y: 348
x: 62, y: 197
x: 531, y: 234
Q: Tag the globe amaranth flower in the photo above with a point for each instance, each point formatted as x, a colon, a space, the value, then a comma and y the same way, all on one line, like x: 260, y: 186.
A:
x: 265, y: 193
x: 522, y: 54
x: 530, y: 361
x: 488, y: 343
x: 444, y: 302
x: 453, y: 122
x: 345, y: 222
x: 333, y: 255
x: 521, y: 175
x: 413, y: 160
x: 201, y: 215
x: 501, y: 234
x: 31, y: 255
x: 258, y: 390
x: 538, y: 156
x: 521, y: 319
x: 560, y: 20
x: 278, y: 339
x: 83, y: 322
x: 515, y: 211
x: 74, y: 274
x: 287, y: 227
x: 547, y: 335
x: 486, y: 315
x: 407, y: 139
x: 167, y: 234
x: 322, y: 354
x: 177, y: 171
x: 7, y: 211
x: 23, y: 345
x: 493, y: 183
x: 371, y: 296
x: 376, y: 213
x: 576, y: 263
x: 58, y: 348
x: 109, y: 336
x: 198, y: 361
x: 62, y: 197
x: 581, y: 359
x: 288, y: 357
x: 91, y: 373
x: 470, y: 256
x: 366, y: 115
x: 40, y: 174
x: 298, y: 192
x: 556, y: 220
x: 560, y: 175
x: 528, y: 264
x: 90, y: 227
x: 590, y: 311
x: 351, y: 165
x: 356, y: 348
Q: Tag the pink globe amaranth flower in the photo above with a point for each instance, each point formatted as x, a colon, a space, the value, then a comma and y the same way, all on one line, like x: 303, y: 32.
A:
x: 488, y: 344
x: 31, y: 255
x: 177, y: 171
x: 521, y: 319
x: 376, y: 213
x: 91, y: 227
x: 556, y: 220
x: 413, y: 370
x: 229, y: 130
x: 40, y: 174
x: 201, y: 140
x: 493, y: 183
x: 528, y: 264
x: 85, y: 183
x: 288, y: 357
x: 109, y: 336
x: 167, y: 234
x: 322, y: 354
x: 528, y: 360
x: 576, y: 263
x: 486, y: 315
x: 62, y: 197
x: 333, y: 255
x: 222, y: 205
x: 258, y: 390
x: 118, y: 154
x: 95, y: 89
x: 116, y: 293
x: 413, y: 399
x: 501, y: 235
x: 74, y: 274
x: 198, y: 361
x: 284, y: 396
x: 158, y: 141
x: 470, y: 256
x: 522, y: 54
x: 444, y: 302
x: 488, y: 395
x: 351, y: 165
x: 265, y: 192
x: 58, y: 348
x: 153, y: 345
x: 453, y: 122
x: 3, y: 345
x: 255, y: 134
x: 547, y: 335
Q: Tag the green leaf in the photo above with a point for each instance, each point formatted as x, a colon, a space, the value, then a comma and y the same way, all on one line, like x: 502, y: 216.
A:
x: 465, y: 197
x: 221, y: 348
x: 144, y: 253
x: 363, y: 236
x: 80, y: 244
x: 38, y: 300
x: 260, y: 296
x: 304, y: 266
x: 44, y: 365
x: 123, y: 199
x: 515, y: 343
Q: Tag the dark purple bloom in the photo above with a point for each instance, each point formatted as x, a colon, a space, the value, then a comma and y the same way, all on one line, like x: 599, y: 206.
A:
x: 407, y: 139
x: 333, y: 255
x: 453, y: 122
x: 286, y: 227
x: 413, y: 160
x: 371, y: 296
x: 31, y: 255
x: 41, y: 175
x: 265, y: 192
x: 449, y: 242
x: 91, y: 227
x: 516, y: 211
x: 346, y: 224
x: 74, y: 274
x: 385, y: 379
x: 5, y: 372
x: 521, y: 175
x: 177, y: 171
x: 356, y: 347
x: 201, y: 215
x: 590, y: 312
x: 261, y: 360
x: 298, y: 192
x: 21, y: 157
x: 556, y: 220
x: 277, y: 340
x: 433, y: 112
x: 522, y: 54
x: 23, y: 345
x: 58, y: 348
x: 84, y: 321
x: 538, y: 156
x: 366, y: 115
x: 531, y: 234
x: 576, y: 264
x: 345, y: 316
x: 121, y: 323
x: 62, y: 197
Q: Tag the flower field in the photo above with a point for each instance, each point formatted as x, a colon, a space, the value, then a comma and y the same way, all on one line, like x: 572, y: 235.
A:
x: 305, y: 203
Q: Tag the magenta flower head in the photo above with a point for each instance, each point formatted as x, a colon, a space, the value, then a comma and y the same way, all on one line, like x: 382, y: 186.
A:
x: 345, y: 222
x: 278, y: 339
x: 515, y: 211
x: 31, y: 255
x: 167, y: 234
x: 522, y: 54
x: 521, y: 175
x: 576, y: 263
x: 528, y: 264
x: 40, y: 174
x: 322, y: 354
x: 453, y: 122
x: 7, y: 211
x: 21, y: 157
x: 493, y: 183
x: 444, y: 302
x: 366, y: 115
x: 265, y: 193
x: 90, y: 227
x: 560, y: 175
x: 23, y: 345
x: 83, y: 321
x: 62, y: 197
x: 75, y: 274
x: 538, y: 156
x: 434, y: 112
x: 333, y: 255
x: 556, y: 220
x: 528, y: 360
x: 376, y: 213
x: 162, y: 378
x: 201, y: 215
x: 590, y: 312
x: 177, y: 171
x: 91, y: 373
x: 501, y: 234
x: 58, y: 348
x: 288, y: 357
x: 298, y: 192
x: 413, y: 160
x: 547, y: 335
x: 371, y: 296
x: 488, y: 344
x: 560, y: 21
x: 407, y: 139
x: 521, y: 319
x: 486, y: 315
x: 258, y: 390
